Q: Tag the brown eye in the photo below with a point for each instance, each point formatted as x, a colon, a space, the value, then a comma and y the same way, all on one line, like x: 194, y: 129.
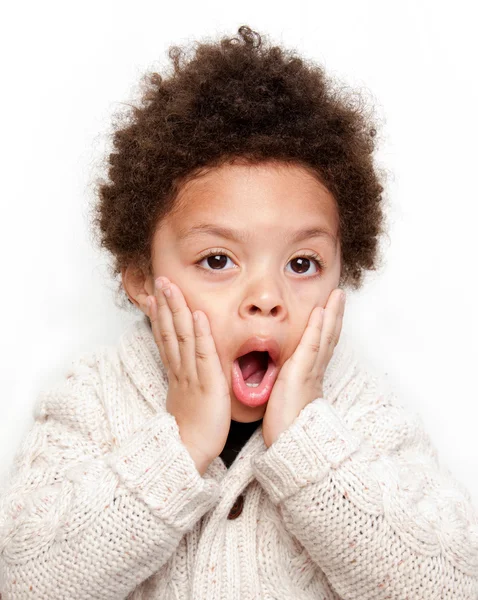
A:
x: 217, y: 261
x: 302, y: 264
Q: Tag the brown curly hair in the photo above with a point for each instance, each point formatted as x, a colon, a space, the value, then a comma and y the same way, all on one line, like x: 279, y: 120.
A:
x: 238, y: 99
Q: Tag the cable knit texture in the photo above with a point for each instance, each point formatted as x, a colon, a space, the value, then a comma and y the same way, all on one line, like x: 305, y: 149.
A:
x: 104, y: 502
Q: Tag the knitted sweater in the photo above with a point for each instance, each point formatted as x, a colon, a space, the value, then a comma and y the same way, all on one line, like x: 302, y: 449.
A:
x: 104, y: 501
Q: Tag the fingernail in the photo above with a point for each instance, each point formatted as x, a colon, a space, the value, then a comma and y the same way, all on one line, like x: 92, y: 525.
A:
x: 159, y: 283
x: 342, y: 296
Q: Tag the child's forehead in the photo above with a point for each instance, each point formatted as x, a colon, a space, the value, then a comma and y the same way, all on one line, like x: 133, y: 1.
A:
x: 264, y: 193
x: 273, y: 174
x: 257, y: 212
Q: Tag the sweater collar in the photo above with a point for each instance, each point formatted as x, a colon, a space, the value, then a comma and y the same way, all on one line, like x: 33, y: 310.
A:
x: 142, y: 360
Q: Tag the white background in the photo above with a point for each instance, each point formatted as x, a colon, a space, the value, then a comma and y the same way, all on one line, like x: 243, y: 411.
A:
x: 67, y: 67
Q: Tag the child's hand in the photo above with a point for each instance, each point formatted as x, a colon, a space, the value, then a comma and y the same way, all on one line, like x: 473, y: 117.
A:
x: 301, y: 377
x: 198, y: 394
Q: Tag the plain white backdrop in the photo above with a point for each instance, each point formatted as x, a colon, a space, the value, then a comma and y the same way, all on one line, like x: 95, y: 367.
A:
x: 67, y: 67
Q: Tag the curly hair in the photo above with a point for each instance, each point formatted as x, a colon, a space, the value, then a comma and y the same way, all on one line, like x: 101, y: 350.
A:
x: 238, y: 99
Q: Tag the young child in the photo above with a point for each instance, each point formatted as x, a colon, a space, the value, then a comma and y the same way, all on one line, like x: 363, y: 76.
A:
x: 242, y: 199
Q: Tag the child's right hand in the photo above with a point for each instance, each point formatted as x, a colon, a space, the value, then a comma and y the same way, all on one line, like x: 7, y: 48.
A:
x: 198, y: 394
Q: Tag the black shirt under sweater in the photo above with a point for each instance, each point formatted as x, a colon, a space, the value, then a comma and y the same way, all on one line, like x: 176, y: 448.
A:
x: 239, y: 433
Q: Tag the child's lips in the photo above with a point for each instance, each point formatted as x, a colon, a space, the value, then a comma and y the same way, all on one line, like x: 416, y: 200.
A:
x: 260, y: 344
x: 253, y: 396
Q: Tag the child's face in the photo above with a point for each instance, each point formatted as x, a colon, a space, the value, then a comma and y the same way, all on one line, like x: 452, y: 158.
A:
x: 261, y: 288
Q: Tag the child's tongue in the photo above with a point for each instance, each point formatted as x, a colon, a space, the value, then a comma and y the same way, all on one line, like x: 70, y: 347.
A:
x: 253, y: 366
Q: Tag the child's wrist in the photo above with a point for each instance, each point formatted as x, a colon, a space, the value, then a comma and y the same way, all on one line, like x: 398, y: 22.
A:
x: 202, y: 463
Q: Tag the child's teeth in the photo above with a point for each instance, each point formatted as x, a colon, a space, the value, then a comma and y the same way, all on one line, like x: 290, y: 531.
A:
x: 252, y: 384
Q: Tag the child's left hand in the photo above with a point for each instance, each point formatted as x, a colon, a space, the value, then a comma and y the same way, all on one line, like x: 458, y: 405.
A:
x: 300, y: 379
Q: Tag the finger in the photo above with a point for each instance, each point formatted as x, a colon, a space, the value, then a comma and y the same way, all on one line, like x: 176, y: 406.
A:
x: 309, y: 345
x: 165, y: 331
x: 331, y: 328
x: 208, y: 363
x: 152, y: 311
x: 340, y: 318
x: 184, y: 330
x: 149, y: 307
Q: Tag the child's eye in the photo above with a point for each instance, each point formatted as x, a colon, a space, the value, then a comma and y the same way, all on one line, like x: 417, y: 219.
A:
x: 217, y: 259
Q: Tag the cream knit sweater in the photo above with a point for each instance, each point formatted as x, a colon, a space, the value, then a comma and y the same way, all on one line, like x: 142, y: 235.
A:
x: 104, y: 501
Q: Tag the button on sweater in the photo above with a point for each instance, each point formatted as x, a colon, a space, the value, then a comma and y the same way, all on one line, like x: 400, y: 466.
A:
x: 104, y: 502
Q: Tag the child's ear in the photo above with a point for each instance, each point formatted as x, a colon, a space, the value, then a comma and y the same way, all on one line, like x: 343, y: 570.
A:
x: 137, y: 285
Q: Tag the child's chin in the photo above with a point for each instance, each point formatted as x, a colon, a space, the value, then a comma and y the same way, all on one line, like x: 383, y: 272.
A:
x: 245, y: 414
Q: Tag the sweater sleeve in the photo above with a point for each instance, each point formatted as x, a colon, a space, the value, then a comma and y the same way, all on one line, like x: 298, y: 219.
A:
x: 364, y: 494
x: 80, y: 518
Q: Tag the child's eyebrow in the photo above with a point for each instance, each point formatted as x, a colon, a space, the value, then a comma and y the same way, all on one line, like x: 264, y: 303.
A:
x: 245, y: 236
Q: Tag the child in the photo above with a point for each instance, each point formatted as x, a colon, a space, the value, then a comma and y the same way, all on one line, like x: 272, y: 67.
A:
x: 166, y: 467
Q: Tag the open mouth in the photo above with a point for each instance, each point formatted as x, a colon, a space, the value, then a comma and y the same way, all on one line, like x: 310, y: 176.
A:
x: 253, y: 376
